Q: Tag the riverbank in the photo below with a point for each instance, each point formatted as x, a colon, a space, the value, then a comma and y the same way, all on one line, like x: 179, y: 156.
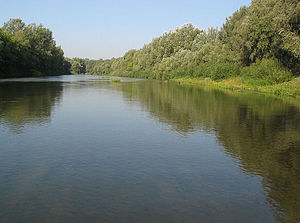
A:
x: 290, y: 88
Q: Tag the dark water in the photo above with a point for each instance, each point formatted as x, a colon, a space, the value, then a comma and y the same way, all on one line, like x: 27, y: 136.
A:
x: 78, y: 149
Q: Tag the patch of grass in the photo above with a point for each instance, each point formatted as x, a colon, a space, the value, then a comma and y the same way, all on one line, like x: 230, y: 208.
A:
x: 254, y: 82
x: 115, y: 80
x: 289, y: 88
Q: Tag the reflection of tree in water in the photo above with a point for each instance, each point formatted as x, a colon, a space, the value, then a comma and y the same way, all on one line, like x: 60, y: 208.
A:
x: 261, y: 132
x: 24, y: 103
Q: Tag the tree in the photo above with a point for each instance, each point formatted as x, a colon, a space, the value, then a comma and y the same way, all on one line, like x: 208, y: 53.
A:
x: 29, y: 50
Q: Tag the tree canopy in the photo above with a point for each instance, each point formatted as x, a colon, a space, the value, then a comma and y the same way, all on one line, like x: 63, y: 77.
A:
x: 29, y: 50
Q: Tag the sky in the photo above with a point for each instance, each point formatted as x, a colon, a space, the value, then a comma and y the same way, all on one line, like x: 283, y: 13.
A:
x: 105, y: 29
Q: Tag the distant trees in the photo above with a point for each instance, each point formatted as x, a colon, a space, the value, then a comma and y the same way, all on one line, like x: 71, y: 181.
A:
x: 29, y: 51
x: 83, y: 66
x: 78, y: 66
x: 265, y: 35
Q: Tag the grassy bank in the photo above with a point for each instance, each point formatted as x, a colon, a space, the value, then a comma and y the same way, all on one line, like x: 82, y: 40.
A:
x: 289, y: 88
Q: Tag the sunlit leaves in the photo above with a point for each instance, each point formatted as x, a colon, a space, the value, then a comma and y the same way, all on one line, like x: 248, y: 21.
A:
x: 29, y: 50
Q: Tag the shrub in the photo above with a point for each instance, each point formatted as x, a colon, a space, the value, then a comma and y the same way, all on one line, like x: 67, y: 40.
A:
x: 217, y: 71
x: 267, y: 69
x: 115, y: 80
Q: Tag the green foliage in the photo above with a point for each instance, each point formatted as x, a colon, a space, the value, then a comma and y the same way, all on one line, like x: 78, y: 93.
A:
x: 266, y: 29
x: 263, y: 37
x: 232, y: 34
x: 217, y: 71
x: 29, y: 51
x: 255, y: 82
x: 78, y: 65
x: 267, y: 69
x: 115, y: 80
x: 86, y: 66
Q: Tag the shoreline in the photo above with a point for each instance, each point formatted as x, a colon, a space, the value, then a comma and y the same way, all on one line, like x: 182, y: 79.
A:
x: 290, y: 88
x: 286, y: 89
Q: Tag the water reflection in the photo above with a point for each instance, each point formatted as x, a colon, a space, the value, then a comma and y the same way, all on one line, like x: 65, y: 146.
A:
x: 261, y: 132
x: 27, y: 103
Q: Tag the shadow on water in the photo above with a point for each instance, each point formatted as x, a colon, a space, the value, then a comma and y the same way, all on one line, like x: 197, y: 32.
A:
x: 260, y: 132
x: 27, y: 103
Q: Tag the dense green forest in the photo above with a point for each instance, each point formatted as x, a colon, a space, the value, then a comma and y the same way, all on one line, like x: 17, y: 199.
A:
x: 29, y: 50
x: 258, y: 42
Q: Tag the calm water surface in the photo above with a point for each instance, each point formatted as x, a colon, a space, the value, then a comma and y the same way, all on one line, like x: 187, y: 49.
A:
x: 80, y: 149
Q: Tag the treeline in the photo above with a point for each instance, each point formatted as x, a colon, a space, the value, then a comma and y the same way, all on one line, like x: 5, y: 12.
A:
x: 29, y: 50
x: 261, y: 41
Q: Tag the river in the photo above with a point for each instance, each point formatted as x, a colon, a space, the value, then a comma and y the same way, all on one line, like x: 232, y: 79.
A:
x: 84, y: 149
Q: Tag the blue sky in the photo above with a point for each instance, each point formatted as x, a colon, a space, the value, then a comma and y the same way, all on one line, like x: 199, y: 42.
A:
x: 105, y: 29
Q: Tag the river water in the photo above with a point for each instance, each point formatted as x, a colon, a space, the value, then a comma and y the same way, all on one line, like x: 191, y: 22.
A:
x: 83, y: 149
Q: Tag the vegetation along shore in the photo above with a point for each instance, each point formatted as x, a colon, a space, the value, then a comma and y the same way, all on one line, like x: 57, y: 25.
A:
x: 257, y: 48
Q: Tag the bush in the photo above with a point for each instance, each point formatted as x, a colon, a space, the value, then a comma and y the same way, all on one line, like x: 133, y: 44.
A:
x: 217, y: 71
x: 270, y: 70
x: 115, y: 80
